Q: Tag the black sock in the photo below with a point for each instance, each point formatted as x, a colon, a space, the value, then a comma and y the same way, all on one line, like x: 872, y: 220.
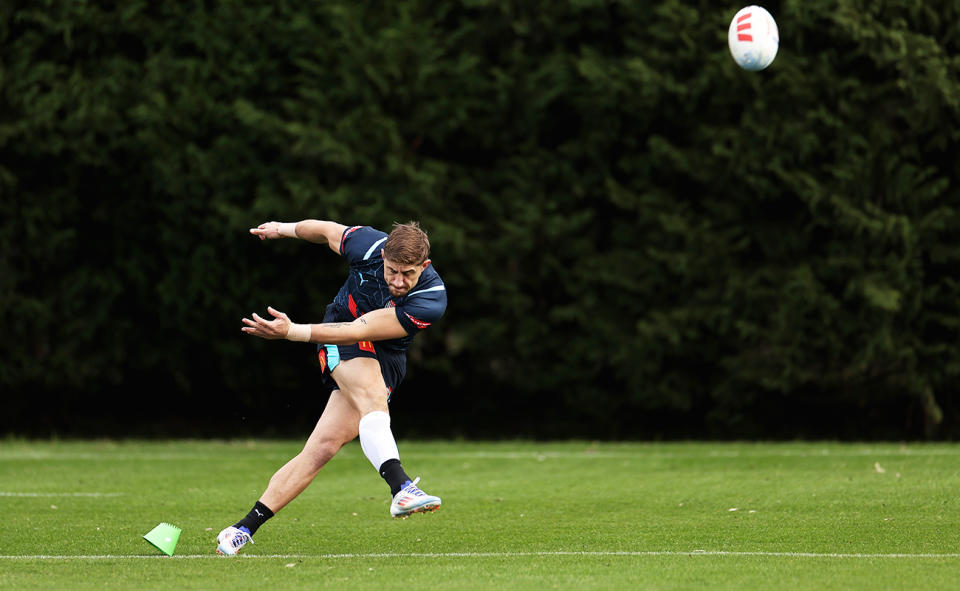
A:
x: 393, y: 473
x: 255, y: 518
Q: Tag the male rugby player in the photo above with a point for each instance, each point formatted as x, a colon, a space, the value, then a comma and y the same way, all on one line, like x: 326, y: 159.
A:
x: 391, y: 293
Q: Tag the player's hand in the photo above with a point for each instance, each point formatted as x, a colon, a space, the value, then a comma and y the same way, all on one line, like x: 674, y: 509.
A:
x: 268, y: 329
x: 267, y: 231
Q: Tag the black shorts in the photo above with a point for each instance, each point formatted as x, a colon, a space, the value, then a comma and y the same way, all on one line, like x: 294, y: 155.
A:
x: 393, y: 363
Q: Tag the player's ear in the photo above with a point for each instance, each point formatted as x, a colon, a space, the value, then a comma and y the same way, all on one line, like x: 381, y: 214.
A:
x: 424, y: 264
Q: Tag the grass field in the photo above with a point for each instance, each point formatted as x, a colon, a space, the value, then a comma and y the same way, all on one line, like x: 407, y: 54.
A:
x: 573, y: 515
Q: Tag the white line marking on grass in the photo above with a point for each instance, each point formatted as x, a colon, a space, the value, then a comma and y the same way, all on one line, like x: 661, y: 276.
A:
x: 105, y: 456
x: 734, y: 554
x: 638, y: 553
x: 66, y: 494
x: 656, y: 454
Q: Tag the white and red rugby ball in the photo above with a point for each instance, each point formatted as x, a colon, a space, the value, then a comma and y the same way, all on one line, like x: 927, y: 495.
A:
x: 753, y: 38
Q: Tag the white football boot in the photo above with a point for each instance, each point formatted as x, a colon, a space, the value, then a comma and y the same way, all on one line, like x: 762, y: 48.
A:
x: 230, y: 540
x: 412, y: 500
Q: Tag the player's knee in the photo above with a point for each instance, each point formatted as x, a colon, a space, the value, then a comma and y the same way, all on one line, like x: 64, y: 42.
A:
x: 319, y: 452
x: 368, y: 399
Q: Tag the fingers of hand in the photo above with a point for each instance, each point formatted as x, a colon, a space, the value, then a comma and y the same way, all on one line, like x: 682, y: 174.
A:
x: 259, y: 326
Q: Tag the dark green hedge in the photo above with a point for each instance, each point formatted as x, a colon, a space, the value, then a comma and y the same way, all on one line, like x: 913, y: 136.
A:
x: 639, y: 239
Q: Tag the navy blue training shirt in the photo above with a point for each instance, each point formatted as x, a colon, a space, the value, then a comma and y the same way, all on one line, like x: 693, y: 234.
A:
x: 366, y: 289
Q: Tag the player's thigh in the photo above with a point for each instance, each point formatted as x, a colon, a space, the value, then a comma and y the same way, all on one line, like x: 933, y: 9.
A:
x: 361, y: 381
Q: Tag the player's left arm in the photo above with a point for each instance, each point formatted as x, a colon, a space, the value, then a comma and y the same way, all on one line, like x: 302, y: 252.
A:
x: 377, y: 325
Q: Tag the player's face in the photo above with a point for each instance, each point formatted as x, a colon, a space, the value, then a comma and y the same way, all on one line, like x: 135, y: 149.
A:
x: 402, y: 278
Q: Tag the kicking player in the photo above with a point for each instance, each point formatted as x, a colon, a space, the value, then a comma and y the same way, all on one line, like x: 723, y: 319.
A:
x: 391, y: 293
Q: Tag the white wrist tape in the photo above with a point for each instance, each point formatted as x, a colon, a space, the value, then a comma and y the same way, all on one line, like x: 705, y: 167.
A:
x: 299, y: 332
x: 288, y: 229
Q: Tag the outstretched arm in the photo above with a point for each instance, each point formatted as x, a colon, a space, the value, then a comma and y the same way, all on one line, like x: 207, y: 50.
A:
x: 378, y: 325
x: 316, y: 231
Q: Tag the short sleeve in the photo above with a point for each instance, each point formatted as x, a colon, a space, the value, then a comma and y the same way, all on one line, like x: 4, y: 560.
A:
x: 360, y: 243
x: 422, y: 308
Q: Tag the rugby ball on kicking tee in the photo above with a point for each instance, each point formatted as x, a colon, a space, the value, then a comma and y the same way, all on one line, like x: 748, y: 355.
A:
x: 753, y: 38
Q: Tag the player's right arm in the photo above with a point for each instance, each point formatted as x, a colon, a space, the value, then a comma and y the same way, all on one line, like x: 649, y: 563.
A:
x: 378, y: 325
x: 316, y: 231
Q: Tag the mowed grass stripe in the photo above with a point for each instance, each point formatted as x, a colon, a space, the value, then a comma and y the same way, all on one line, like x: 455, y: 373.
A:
x: 61, y: 494
x: 520, y: 456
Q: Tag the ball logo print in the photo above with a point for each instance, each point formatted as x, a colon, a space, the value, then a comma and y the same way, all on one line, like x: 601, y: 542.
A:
x: 753, y: 38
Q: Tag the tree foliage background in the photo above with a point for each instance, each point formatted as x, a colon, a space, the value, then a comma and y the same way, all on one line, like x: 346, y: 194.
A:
x: 639, y: 239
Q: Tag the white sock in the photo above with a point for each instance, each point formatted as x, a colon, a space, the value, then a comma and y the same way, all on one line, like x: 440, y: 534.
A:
x: 376, y: 438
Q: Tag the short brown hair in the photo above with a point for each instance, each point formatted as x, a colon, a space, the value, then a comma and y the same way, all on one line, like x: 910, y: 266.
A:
x: 407, y: 244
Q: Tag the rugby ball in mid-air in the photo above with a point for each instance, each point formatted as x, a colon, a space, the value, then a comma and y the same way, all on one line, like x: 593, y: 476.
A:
x: 753, y: 38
